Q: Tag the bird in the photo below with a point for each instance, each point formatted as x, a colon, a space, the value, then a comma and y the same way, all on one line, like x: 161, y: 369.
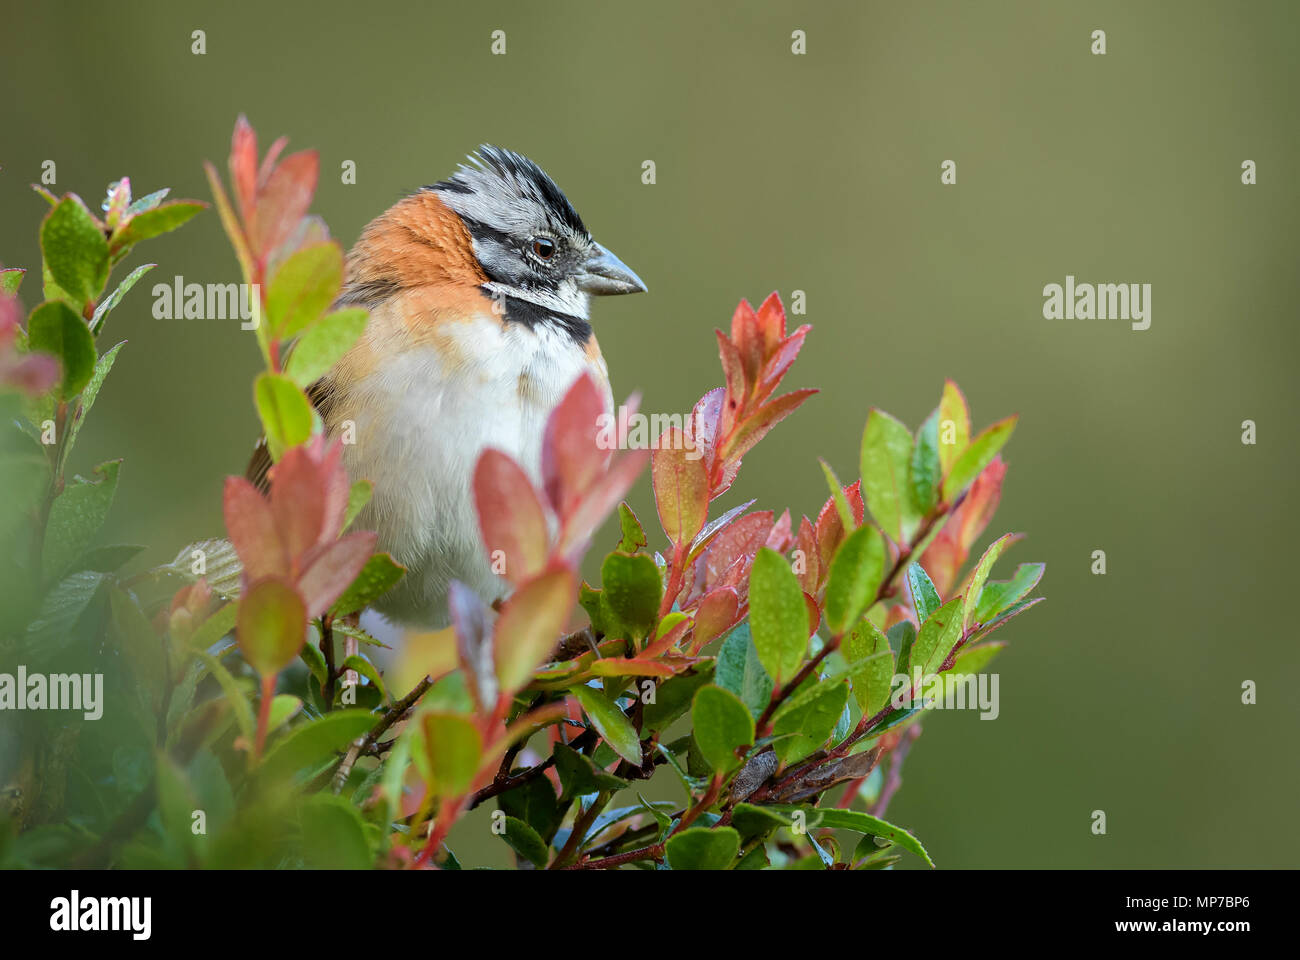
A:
x: 479, y: 291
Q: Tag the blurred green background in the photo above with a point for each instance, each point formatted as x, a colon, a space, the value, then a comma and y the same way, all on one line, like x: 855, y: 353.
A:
x: 821, y: 173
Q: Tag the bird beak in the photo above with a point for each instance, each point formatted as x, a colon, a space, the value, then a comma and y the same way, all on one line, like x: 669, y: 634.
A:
x: 605, y: 274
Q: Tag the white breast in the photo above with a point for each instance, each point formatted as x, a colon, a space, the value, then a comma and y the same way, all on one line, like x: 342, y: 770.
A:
x: 421, y: 423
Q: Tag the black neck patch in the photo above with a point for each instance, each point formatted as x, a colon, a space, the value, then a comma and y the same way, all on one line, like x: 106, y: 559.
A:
x: 534, y: 315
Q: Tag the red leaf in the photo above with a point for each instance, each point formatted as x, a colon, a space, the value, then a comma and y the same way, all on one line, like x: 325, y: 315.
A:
x: 808, y: 559
x: 510, y: 516
x: 748, y: 338
x: 298, y: 502
x: 947, y: 552
x: 737, y: 543
x: 779, y: 362
x: 702, y: 428
x: 571, y: 455
x: 771, y: 322
x: 665, y: 643
x: 780, y: 538
x: 252, y: 531
x: 283, y: 201
x: 830, y: 531
x: 268, y: 162
x: 981, y: 501
x: 329, y: 569
x: 530, y: 624
x: 757, y: 424
x: 717, y: 613
x: 602, y: 497
x: 633, y: 667
x: 243, y: 167
x: 734, y: 375
x: 681, y: 488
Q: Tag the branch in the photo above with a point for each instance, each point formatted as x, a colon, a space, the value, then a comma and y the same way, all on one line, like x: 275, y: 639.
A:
x: 363, y: 744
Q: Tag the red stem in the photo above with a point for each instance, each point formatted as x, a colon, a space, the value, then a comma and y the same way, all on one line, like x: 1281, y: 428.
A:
x: 264, y: 713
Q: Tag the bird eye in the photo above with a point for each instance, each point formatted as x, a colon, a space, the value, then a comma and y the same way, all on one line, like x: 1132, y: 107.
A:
x: 544, y: 247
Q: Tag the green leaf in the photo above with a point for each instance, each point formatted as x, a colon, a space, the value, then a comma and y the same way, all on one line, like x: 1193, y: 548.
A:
x: 534, y: 803
x: 722, y: 725
x: 358, y: 496
x: 998, y: 595
x: 90, y: 394
x: 376, y: 578
x: 285, y: 412
x: 75, y: 517
x: 886, y: 471
x: 872, y: 666
x: 142, y: 647
x: 368, y: 670
x: 303, y: 287
x: 147, y: 202
x: 954, y: 426
x: 75, y: 250
x: 579, y: 776
x: 981, y: 574
x: 753, y: 821
x: 632, y: 588
x: 902, y: 636
x: 113, y: 299
x: 110, y: 557
x: 811, y: 715
x: 10, y: 278
x: 860, y: 822
x: 977, y: 456
x: 925, y: 475
x: 221, y: 566
x: 612, y: 724
x: 673, y: 698
x: 156, y: 221
x: 324, y: 343
x: 700, y: 848
x: 272, y: 625
x: 334, y: 834
x: 525, y: 841
x: 936, y: 638
x: 312, y: 743
x: 221, y: 622
x: 681, y: 488
x: 1012, y: 611
x: 740, y: 671
x: 925, y: 598
x: 856, y: 572
x: 54, y: 328
x: 453, y: 750
x: 633, y: 536
x: 243, y: 710
x: 778, y: 616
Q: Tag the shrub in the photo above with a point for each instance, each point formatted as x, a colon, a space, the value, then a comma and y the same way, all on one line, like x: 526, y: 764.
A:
x: 766, y: 666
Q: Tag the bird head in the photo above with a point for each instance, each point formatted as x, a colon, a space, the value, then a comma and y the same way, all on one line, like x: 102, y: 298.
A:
x: 527, y: 237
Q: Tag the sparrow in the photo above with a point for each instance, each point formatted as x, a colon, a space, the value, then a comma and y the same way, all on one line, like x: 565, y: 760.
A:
x: 479, y: 289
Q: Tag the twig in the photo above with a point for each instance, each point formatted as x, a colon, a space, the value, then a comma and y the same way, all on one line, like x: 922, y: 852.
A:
x: 362, y: 744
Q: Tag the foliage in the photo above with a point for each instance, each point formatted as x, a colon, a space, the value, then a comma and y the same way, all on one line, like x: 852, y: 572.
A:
x: 751, y: 658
